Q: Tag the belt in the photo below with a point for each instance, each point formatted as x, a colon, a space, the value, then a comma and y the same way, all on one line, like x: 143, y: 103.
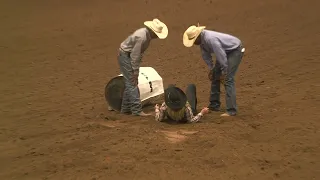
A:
x: 124, y: 52
x: 239, y: 48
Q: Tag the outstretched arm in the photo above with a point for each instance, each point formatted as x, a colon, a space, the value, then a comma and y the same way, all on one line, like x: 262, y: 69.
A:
x: 190, y: 117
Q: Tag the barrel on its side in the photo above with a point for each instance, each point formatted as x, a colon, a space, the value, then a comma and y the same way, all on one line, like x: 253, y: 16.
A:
x: 114, y: 93
x: 150, y: 87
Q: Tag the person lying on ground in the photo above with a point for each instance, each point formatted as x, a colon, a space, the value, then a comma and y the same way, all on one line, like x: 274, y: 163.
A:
x: 179, y: 106
x: 229, y: 52
x: 129, y: 59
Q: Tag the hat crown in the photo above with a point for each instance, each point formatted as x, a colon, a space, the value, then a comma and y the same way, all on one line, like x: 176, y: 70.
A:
x: 157, y: 25
x: 175, y: 98
x: 191, y: 32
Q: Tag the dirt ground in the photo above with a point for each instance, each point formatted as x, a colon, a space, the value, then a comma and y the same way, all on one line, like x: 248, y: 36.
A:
x: 57, y: 56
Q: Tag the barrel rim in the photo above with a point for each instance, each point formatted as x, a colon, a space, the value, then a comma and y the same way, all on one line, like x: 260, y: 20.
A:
x: 107, y: 92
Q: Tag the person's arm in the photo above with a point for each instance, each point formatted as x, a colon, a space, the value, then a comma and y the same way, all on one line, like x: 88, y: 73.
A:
x: 190, y: 117
x: 136, y: 55
x: 221, y: 55
x: 206, y: 56
x: 160, y: 112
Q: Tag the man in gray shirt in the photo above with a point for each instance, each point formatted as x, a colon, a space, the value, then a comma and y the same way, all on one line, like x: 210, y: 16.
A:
x: 129, y: 58
x: 229, y: 52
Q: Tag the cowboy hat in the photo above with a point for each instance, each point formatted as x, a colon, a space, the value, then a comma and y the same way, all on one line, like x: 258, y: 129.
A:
x: 191, y: 34
x: 158, y: 27
x: 175, y: 98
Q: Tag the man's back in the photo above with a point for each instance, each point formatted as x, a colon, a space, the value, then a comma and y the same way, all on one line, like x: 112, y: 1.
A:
x: 139, y: 35
x: 227, y: 42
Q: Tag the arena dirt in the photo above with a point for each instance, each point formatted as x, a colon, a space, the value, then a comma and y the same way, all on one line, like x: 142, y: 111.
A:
x: 57, y: 56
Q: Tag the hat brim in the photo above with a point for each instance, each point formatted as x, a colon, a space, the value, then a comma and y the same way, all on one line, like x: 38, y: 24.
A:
x: 189, y: 42
x: 182, y: 96
x: 161, y: 35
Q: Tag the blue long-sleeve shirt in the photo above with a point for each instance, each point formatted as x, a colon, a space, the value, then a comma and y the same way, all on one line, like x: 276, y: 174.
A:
x: 217, y: 43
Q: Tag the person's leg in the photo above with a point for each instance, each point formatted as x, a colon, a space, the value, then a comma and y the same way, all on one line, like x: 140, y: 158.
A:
x: 234, y: 59
x: 191, y: 93
x: 132, y: 91
x: 215, y: 89
x: 136, y: 107
x: 126, y: 105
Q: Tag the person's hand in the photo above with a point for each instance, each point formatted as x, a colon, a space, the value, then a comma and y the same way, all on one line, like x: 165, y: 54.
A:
x: 205, y: 111
x: 135, y: 79
x: 222, y: 79
x: 156, y: 108
x: 211, y: 74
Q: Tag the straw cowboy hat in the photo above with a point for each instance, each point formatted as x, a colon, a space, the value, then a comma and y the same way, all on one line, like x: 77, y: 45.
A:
x: 158, y: 27
x: 191, y: 34
x: 175, y: 98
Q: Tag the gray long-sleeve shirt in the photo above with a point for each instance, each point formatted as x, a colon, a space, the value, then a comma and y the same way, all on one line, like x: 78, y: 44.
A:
x: 136, y: 44
x: 217, y: 43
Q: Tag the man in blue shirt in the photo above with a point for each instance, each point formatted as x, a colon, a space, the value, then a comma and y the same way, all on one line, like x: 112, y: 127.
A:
x: 228, y: 51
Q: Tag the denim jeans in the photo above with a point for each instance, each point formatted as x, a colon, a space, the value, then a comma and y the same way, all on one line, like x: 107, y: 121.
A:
x: 131, y: 96
x: 234, y: 59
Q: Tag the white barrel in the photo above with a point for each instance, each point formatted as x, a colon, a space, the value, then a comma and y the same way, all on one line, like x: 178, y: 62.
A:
x: 150, y: 86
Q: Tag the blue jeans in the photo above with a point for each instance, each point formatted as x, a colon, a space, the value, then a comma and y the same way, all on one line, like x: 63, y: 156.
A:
x: 234, y: 59
x: 131, y: 96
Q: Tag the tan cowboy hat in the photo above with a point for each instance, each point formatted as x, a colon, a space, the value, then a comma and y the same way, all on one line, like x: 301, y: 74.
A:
x: 191, y: 34
x: 158, y: 27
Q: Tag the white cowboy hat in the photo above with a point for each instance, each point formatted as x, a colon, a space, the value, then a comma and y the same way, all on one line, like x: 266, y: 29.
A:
x: 158, y: 27
x: 191, y: 34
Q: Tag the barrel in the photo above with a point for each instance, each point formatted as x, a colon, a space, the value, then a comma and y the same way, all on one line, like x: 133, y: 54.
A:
x: 150, y: 86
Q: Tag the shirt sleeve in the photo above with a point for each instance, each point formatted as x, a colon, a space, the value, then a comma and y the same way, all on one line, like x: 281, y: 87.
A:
x: 221, y: 55
x: 190, y: 117
x: 206, y: 56
x: 160, y: 113
x: 136, y: 55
